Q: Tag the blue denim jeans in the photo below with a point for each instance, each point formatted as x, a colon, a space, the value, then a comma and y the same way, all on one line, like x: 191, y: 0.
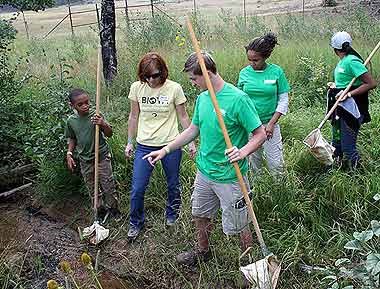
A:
x: 344, y: 141
x: 142, y: 171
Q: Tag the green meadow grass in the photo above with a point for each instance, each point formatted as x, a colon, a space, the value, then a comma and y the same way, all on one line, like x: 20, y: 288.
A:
x: 306, y: 216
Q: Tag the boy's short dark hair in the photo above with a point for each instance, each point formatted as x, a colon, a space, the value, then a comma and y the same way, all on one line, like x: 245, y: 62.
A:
x: 192, y: 64
x: 148, y: 63
x: 74, y: 93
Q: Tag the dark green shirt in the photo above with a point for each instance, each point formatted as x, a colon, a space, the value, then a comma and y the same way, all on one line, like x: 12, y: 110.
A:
x: 82, y: 130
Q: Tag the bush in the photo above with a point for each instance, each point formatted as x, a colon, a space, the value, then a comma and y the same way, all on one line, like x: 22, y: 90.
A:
x: 362, y: 268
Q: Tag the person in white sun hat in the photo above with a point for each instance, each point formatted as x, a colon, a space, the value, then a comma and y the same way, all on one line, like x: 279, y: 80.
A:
x: 346, y: 123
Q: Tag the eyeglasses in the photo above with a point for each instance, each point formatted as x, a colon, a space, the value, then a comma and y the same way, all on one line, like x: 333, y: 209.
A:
x: 154, y: 75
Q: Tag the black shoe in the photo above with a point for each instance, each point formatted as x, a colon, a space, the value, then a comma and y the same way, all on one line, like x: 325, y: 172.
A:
x: 190, y: 258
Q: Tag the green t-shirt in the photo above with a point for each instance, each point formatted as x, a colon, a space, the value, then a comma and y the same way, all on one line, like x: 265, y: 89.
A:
x: 264, y: 87
x: 82, y: 130
x: 347, y: 68
x: 241, y: 119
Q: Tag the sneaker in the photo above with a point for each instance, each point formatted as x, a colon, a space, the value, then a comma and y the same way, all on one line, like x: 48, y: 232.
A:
x: 170, y: 222
x: 133, y: 232
x: 190, y: 258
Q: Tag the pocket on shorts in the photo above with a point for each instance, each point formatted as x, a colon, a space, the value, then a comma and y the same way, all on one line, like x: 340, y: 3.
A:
x: 234, y: 219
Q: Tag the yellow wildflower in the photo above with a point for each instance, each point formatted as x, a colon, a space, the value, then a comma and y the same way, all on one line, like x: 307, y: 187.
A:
x: 65, y: 267
x: 86, y: 259
x: 52, y: 284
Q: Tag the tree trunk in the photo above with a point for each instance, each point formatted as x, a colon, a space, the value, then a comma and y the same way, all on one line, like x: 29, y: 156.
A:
x: 107, y: 40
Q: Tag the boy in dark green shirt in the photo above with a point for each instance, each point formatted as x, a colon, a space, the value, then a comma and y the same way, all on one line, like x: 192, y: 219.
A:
x: 80, y: 134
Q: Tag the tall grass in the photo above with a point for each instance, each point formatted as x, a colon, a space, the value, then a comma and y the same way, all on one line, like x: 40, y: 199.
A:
x: 307, y: 214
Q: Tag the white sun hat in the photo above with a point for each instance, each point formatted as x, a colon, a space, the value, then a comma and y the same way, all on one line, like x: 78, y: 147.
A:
x: 339, y: 38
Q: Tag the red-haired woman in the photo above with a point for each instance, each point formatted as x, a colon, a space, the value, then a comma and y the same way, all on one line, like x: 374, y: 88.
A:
x: 156, y: 105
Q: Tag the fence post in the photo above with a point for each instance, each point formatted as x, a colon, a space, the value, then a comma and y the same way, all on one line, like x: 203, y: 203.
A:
x: 245, y: 14
x: 126, y: 11
x: 195, y: 9
x: 71, y: 18
x: 303, y: 10
x: 152, y: 7
x: 97, y: 16
x: 25, y: 24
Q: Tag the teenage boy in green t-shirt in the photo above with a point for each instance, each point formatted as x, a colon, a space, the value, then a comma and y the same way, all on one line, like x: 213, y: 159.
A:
x: 216, y: 184
x: 80, y: 134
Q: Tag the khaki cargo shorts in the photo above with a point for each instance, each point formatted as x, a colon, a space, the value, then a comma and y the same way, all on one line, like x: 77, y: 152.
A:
x: 208, y: 196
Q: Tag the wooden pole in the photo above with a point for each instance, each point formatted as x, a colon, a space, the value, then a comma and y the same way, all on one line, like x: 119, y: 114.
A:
x: 97, y: 16
x: 71, y: 18
x: 126, y: 11
x: 97, y: 111
x: 245, y: 13
x: 152, y: 7
x: 303, y: 10
x: 25, y: 24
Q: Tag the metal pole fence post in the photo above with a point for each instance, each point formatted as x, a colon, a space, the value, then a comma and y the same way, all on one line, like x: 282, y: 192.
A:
x: 71, y: 18
x: 245, y: 13
x: 303, y: 10
x: 126, y: 11
x: 152, y: 7
x: 195, y: 9
x: 97, y: 16
x: 25, y: 24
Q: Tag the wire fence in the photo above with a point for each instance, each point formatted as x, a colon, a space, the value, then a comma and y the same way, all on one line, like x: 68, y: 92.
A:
x: 74, y: 19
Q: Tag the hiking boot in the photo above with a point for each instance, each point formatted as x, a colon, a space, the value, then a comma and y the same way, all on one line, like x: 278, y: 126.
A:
x: 133, y: 232
x: 190, y: 258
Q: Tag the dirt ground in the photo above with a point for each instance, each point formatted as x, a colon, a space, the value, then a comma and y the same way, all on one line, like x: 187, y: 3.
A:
x: 34, y: 240
x: 39, y: 24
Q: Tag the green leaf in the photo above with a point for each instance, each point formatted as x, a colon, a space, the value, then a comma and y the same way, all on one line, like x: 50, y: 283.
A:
x: 373, y: 264
x: 364, y: 236
x: 329, y: 277
x: 353, y: 245
x: 375, y: 227
x: 342, y: 261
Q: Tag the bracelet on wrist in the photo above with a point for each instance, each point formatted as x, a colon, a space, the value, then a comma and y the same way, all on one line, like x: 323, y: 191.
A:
x: 130, y: 140
x: 69, y: 153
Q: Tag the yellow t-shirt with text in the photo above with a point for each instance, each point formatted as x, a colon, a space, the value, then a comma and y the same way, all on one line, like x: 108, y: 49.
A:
x: 158, y: 123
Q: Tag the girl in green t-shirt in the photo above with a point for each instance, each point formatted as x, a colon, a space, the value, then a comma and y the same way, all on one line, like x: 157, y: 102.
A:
x: 266, y: 84
x: 345, y: 122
